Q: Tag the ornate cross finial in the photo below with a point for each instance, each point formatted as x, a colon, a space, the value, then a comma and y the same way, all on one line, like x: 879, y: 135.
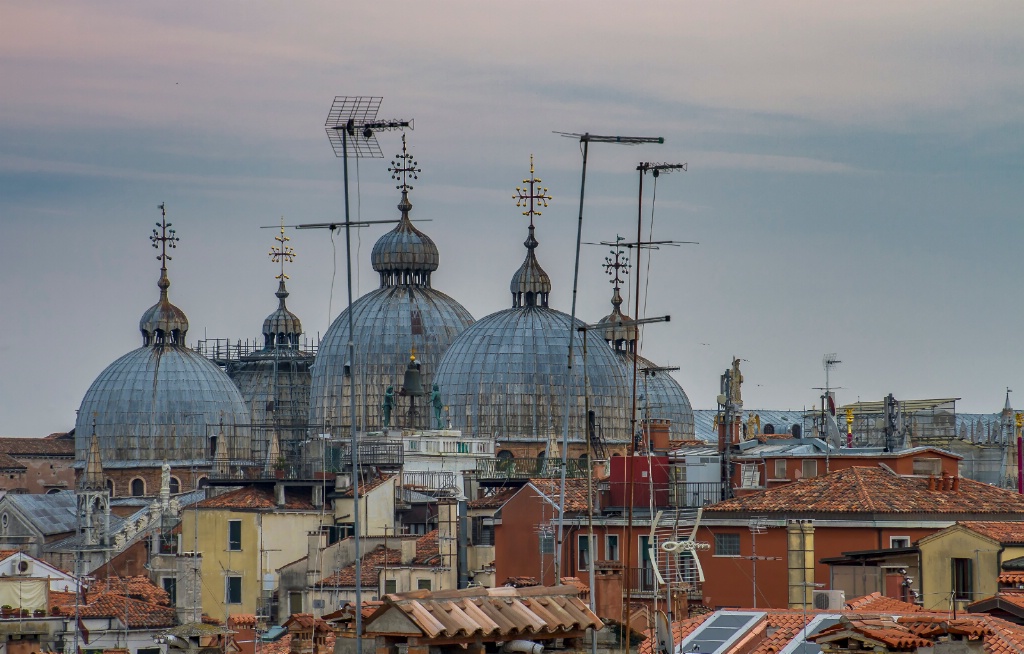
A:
x: 618, y: 265
x: 532, y: 196
x: 403, y: 167
x: 282, y: 253
x: 164, y: 238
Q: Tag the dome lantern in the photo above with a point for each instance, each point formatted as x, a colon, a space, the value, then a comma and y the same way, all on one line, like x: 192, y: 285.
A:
x: 163, y: 323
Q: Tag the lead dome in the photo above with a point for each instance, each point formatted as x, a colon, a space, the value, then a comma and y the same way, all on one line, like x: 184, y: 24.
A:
x: 161, y: 403
x: 404, y: 316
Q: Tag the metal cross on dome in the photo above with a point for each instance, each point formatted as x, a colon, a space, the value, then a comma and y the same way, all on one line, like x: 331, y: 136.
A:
x: 282, y: 252
x: 531, y: 197
x: 164, y: 238
x: 403, y: 167
x: 618, y: 265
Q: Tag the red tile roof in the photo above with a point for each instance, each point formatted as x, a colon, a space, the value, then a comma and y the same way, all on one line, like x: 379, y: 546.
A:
x: 372, y: 560
x: 1011, y: 577
x: 493, y: 501
x: 135, y: 613
x: 878, y: 603
x: 366, y: 486
x: 427, y: 550
x: 256, y: 498
x: 873, y: 490
x: 575, y: 492
x: 138, y: 587
x: 1003, y: 532
x: 8, y: 462
x: 60, y: 447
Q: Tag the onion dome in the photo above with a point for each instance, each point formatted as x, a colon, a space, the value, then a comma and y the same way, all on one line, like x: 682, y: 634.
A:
x: 162, y: 402
x: 275, y: 380
x: 506, y: 375
x: 404, y: 316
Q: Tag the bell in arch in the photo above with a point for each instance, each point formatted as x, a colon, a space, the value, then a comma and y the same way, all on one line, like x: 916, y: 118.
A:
x: 413, y: 382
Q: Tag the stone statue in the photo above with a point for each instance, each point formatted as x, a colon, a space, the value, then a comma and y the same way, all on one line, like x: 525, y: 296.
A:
x: 736, y: 380
x: 388, y: 405
x: 435, y: 401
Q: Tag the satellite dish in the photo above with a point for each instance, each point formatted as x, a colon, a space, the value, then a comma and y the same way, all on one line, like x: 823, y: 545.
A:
x: 831, y: 406
x: 664, y: 633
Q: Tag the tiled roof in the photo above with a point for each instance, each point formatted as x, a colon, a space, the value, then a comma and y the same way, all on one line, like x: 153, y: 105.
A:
x: 282, y: 645
x: 427, y: 550
x: 135, y: 613
x: 575, y: 492
x: 680, y: 630
x: 138, y: 587
x: 375, y: 558
x: 493, y: 501
x: 492, y: 613
x: 1011, y: 577
x: 306, y: 621
x: 1003, y: 532
x: 873, y: 490
x: 242, y: 620
x: 256, y: 498
x: 8, y: 462
x: 878, y: 603
x: 62, y: 447
x: 366, y: 486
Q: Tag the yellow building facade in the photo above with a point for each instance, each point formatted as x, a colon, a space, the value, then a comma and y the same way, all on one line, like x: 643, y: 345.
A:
x: 244, y: 537
x: 961, y: 564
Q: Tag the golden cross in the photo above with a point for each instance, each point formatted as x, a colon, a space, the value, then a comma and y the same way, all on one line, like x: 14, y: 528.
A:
x: 532, y: 196
x: 165, y: 237
x: 403, y: 167
x: 281, y: 253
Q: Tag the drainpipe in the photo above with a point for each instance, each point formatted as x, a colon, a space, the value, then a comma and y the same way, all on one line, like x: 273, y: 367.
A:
x: 463, y: 549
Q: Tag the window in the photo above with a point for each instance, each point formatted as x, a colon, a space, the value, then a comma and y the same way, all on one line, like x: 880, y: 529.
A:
x: 390, y: 586
x: 463, y: 448
x: 423, y: 584
x: 148, y: 650
x: 583, y: 548
x: 727, y: 544
x: 138, y: 487
x: 809, y: 469
x: 175, y: 486
x: 928, y: 466
x: 110, y: 487
x: 234, y: 535
x: 233, y: 590
x: 547, y: 542
x: 483, y: 531
x: 899, y: 541
x: 780, y: 469
x: 170, y: 585
x: 611, y: 547
x: 962, y: 580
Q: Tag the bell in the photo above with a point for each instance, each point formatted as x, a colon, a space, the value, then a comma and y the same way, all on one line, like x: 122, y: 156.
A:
x: 412, y: 384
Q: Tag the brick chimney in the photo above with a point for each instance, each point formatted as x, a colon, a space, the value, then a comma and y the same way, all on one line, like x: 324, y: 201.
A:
x: 608, y: 589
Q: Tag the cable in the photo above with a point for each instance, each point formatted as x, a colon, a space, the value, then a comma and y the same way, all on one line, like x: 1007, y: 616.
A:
x: 359, y: 216
x: 334, y: 273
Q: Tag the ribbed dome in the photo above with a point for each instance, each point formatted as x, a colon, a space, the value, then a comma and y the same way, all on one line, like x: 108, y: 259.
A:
x: 405, y: 255
x: 619, y: 337
x: 661, y: 394
x: 506, y: 375
x: 390, y: 323
x: 282, y: 327
x: 530, y: 285
x: 161, y: 404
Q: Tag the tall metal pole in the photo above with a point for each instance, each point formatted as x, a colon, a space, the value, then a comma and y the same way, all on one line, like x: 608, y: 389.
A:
x: 352, y: 408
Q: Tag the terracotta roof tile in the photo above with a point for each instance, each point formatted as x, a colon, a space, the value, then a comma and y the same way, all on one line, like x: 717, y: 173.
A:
x: 135, y: 613
x: 256, y: 498
x: 366, y: 486
x: 1004, y: 532
x: 493, y: 501
x: 878, y: 603
x: 8, y: 462
x: 427, y: 550
x: 372, y: 560
x: 873, y: 490
x: 575, y: 492
x: 62, y: 447
x: 1011, y: 577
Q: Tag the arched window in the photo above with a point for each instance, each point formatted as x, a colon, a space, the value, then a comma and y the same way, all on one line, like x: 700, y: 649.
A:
x: 52, y: 491
x: 505, y: 454
x: 175, y: 485
x: 138, y: 487
x: 110, y: 486
x: 203, y: 482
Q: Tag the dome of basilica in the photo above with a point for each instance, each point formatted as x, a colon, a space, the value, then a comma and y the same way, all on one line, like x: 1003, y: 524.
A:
x: 161, y: 403
x: 404, y: 317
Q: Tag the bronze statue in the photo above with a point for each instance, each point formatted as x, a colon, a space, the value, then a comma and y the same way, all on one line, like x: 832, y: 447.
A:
x: 388, y: 405
x: 435, y: 401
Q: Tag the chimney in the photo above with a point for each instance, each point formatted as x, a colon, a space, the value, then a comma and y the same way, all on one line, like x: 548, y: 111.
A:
x: 188, y: 581
x: 607, y: 589
x: 447, y: 540
x: 800, y: 555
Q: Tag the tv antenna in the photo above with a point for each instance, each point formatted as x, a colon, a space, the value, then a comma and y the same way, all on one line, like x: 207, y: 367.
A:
x: 351, y: 128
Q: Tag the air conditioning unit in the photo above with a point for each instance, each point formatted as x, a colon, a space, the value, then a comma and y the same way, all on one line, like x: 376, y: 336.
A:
x: 829, y: 600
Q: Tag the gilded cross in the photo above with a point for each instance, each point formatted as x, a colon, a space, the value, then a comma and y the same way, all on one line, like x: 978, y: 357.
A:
x: 532, y: 196
x: 403, y: 167
x: 164, y: 238
x: 617, y: 264
x: 282, y: 252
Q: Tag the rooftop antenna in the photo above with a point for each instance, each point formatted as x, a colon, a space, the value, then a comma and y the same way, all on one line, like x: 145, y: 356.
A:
x: 585, y: 140
x: 351, y: 128
x: 758, y: 525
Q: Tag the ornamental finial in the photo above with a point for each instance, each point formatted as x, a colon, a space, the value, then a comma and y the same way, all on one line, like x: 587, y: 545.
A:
x: 403, y: 167
x: 532, y: 196
x: 282, y: 252
x: 162, y: 240
x: 617, y: 264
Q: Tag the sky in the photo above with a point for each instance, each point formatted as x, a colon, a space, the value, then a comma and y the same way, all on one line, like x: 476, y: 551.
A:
x: 855, y: 178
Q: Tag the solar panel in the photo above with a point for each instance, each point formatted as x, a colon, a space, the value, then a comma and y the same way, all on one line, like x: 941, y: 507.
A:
x: 720, y: 632
x: 818, y: 624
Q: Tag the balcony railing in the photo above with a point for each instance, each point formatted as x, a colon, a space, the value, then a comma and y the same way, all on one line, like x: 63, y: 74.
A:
x: 317, y: 460
x: 528, y: 468
x: 695, y: 494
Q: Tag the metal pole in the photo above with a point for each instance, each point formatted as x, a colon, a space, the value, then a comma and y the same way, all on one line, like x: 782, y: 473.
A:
x: 568, y: 375
x: 1019, y: 418
x: 352, y: 407
x: 591, y: 545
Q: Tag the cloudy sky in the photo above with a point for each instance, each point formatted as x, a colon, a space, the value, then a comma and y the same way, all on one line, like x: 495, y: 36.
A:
x: 855, y: 177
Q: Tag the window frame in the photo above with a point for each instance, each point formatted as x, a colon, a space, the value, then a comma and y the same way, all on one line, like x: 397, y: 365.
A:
x: 609, y: 550
x: 808, y: 463
x: 720, y: 542
x: 227, y: 589
x: 903, y: 539
x: 424, y: 584
x: 233, y: 545
x: 962, y: 579
x: 584, y: 547
x: 783, y: 466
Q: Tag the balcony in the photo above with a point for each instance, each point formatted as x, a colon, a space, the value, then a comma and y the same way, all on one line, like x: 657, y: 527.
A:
x: 317, y: 460
x: 695, y: 494
x: 508, y: 469
x: 641, y: 584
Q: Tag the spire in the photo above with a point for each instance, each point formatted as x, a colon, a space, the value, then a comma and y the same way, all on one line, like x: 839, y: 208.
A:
x: 405, y: 255
x: 282, y: 327
x: 530, y: 285
x: 163, y: 323
x: 620, y: 338
x: 93, y: 478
